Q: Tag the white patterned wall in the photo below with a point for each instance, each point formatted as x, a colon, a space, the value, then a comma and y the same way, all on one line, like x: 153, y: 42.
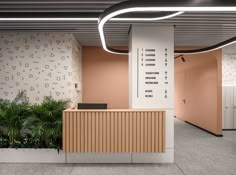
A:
x: 229, y: 66
x: 43, y: 64
x: 77, y: 72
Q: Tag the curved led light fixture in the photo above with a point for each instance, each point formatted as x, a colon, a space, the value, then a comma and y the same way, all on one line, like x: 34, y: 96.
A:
x: 207, y: 49
x: 110, y: 17
x: 170, y: 15
x: 177, y: 7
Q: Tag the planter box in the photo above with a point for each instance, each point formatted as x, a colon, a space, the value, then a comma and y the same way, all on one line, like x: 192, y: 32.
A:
x: 31, y: 155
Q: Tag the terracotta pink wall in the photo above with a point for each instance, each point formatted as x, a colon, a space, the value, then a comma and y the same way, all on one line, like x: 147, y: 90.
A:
x: 198, y: 81
x: 105, y: 78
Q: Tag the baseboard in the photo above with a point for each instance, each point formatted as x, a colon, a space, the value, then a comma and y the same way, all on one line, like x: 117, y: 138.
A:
x: 217, y: 135
x: 167, y: 157
x: 229, y: 129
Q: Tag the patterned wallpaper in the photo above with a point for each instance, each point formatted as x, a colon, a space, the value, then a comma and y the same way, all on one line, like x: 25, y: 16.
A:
x: 43, y: 64
x: 229, y: 66
x: 77, y: 71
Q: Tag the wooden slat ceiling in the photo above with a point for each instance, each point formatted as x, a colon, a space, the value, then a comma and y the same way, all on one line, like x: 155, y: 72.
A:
x: 191, y: 29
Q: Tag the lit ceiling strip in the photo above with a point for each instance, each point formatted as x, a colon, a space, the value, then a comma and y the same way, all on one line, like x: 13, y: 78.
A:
x: 207, y: 49
x: 48, y: 19
x: 148, y: 19
x: 91, y: 19
x: 110, y: 17
x: 157, y: 6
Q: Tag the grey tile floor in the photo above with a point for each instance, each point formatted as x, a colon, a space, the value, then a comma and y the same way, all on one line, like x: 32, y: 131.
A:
x: 196, y: 153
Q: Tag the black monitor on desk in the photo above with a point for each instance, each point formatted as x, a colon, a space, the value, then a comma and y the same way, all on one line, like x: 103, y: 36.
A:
x: 92, y: 106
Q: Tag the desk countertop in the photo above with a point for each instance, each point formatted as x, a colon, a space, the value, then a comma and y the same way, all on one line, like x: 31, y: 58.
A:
x: 112, y: 110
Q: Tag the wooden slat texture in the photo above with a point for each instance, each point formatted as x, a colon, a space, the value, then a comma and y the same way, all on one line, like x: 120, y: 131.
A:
x: 145, y: 132
x: 127, y: 134
x: 149, y: 132
x: 85, y: 132
x: 138, y: 132
x: 134, y: 133
x: 114, y: 131
x: 123, y: 132
x: 164, y: 132
x: 160, y: 131
x: 100, y: 132
x: 78, y: 135
x: 153, y: 132
x: 89, y: 145
x: 93, y: 132
x: 131, y: 131
x: 97, y: 131
x: 142, y: 133
x: 70, y: 132
x: 64, y: 131
x: 82, y: 132
x: 74, y: 131
x: 104, y: 134
x: 108, y: 132
x: 119, y: 132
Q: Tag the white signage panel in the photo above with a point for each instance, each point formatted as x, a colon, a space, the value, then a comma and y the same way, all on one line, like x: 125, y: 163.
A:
x: 151, y: 67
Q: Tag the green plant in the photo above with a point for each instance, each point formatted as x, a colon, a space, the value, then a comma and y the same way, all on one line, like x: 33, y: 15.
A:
x: 31, y: 126
x: 45, y: 125
x: 12, y: 116
x: 21, y: 97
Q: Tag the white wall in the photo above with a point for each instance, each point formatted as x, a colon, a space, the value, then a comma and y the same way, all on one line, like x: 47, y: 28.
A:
x: 228, y: 83
x: 43, y: 64
x: 229, y: 66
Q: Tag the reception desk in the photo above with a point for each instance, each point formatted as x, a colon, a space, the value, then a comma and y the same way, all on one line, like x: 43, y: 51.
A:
x: 114, y: 131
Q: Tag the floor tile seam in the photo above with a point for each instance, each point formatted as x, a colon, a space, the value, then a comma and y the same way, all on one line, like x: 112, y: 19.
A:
x: 179, y: 168
x: 72, y: 169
